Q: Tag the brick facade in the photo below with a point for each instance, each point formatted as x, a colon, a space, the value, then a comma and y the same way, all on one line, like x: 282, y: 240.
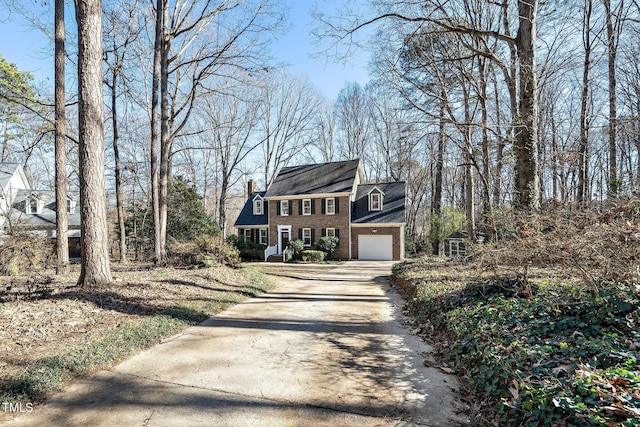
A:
x: 396, y: 232
x: 317, y: 221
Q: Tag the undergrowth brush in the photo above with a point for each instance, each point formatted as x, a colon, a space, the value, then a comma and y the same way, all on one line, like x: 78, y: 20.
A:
x: 535, y: 351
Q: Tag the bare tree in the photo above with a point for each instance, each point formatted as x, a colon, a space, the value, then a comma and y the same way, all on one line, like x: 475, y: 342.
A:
x: 353, y: 113
x: 95, y: 269
x: 120, y: 33
x: 232, y: 119
x: 62, y: 236
x: 288, y: 112
x: 199, y: 40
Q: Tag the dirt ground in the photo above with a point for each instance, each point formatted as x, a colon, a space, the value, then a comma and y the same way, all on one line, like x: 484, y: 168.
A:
x: 43, y: 314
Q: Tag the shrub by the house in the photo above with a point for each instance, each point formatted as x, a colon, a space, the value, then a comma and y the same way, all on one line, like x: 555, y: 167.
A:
x: 313, y: 256
x: 328, y: 245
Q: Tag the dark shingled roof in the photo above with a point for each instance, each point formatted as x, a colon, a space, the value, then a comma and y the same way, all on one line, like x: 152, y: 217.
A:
x: 392, y: 206
x: 247, y: 218
x: 323, y: 178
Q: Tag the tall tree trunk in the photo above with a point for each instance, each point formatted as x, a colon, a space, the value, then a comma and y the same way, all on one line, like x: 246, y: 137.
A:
x: 62, y: 234
x: 526, y: 128
x: 583, y: 151
x: 95, y: 268
x: 165, y: 139
x: 436, y: 210
x: 116, y: 155
x: 612, y: 51
x: 155, y: 184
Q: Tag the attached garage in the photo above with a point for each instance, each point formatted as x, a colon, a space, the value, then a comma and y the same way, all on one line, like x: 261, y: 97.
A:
x: 375, y: 247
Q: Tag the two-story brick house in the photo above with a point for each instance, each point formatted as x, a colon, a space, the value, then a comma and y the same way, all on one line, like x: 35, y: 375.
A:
x: 328, y: 199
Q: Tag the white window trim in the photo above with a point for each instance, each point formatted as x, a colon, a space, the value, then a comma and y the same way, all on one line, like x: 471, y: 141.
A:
x: 266, y: 236
x: 371, y: 203
x: 246, y: 234
x: 257, y: 211
x: 326, y: 206
x: 333, y: 232
x: 282, y: 204
x: 304, y: 231
x: 304, y: 210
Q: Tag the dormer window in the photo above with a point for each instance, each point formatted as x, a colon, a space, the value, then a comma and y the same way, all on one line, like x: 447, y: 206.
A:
x: 258, y: 206
x: 375, y: 200
x: 34, y: 205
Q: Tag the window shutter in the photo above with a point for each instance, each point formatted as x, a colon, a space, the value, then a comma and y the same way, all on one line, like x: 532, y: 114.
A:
x: 313, y: 235
x: 337, y: 233
x: 324, y: 232
x: 301, y: 237
x: 337, y: 205
x: 290, y: 207
x: 313, y: 206
x: 278, y: 211
x: 300, y: 207
x: 324, y: 206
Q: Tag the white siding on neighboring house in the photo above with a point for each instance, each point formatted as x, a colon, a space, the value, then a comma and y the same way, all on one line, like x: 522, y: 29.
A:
x: 8, y: 194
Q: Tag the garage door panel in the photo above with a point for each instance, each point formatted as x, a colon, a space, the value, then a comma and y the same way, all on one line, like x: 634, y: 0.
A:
x: 375, y: 247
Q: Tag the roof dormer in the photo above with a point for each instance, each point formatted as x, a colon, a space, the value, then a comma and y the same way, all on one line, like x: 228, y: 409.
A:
x: 34, y: 204
x: 376, y: 199
x: 258, y: 205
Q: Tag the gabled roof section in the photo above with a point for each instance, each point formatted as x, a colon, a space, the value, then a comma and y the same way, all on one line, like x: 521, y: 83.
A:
x: 7, y: 170
x: 393, y: 208
x: 247, y: 218
x: 321, y: 178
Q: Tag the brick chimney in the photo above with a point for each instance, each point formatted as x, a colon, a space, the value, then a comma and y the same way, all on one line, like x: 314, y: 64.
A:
x: 251, y: 187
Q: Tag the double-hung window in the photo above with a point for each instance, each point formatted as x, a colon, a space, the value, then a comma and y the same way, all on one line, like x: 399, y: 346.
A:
x: 331, y: 232
x: 284, y: 208
x: 306, y: 236
x: 306, y: 207
x: 263, y: 236
x: 330, y: 206
x: 375, y: 201
x: 258, y: 206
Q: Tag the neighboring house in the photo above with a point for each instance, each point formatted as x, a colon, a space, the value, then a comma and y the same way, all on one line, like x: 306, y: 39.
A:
x: 25, y: 209
x: 327, y: 199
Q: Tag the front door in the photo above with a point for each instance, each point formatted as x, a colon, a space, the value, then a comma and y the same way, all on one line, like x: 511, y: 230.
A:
x: 284, y: 235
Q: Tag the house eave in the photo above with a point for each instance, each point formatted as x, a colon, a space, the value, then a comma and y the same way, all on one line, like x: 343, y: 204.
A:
x: 377, y: 224
x: 308, y: 196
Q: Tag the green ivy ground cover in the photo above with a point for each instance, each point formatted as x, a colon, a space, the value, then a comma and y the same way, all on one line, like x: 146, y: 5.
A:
x: 540, y: 353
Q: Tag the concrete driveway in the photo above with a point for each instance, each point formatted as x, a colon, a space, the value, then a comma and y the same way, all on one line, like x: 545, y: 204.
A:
x: 325, y: 350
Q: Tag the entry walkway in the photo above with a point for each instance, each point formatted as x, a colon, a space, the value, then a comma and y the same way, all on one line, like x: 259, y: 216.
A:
x: 328, y: 350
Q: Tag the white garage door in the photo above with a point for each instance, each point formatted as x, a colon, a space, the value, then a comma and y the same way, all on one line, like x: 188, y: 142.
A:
x: 375, y: 247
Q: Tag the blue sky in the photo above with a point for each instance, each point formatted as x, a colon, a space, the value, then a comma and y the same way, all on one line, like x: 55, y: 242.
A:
x: 28, y: 49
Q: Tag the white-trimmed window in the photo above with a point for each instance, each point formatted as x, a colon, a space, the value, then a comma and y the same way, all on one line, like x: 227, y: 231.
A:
x: 263, y: 236
x: 330, y: 206
x: 306, y: 236
x: 284, y: 208
x: 331, y: 232
x: 71, y: 206
x: 375, y: 201
x: 306, y: 209
x: 33, y: 205
x: 247, y: 235
x: 258, y: 206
